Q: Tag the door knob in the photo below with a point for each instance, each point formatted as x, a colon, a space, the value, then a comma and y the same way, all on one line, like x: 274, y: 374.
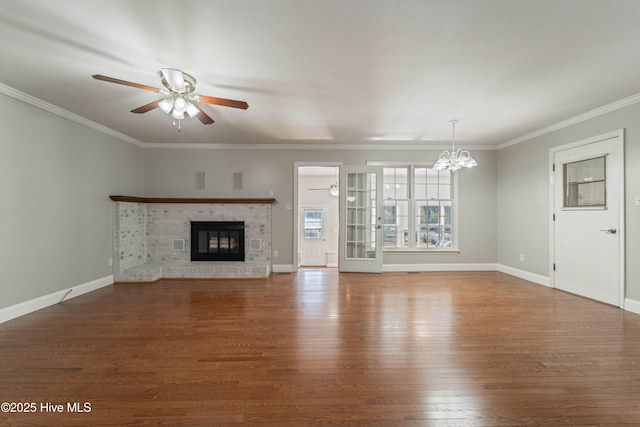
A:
x: 610, y: 231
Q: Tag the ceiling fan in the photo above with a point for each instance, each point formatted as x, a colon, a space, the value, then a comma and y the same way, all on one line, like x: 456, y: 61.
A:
x: 333, y: 189
x: 180, y: 97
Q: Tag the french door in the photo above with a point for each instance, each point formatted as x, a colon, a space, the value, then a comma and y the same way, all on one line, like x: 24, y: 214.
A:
x: 360, y: 236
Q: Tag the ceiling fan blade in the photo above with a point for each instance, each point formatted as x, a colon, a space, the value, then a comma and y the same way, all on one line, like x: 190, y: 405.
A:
x: 204, y: 118
x: 222, y: 101
x: 148, y: 107
x: 175, y: 79
x: 124, y: 82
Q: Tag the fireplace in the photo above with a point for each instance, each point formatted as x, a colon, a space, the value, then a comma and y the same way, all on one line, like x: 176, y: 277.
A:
x: 217, y: 241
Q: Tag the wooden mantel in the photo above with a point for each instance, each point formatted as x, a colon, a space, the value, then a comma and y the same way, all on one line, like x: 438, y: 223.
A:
x: 133, y: 199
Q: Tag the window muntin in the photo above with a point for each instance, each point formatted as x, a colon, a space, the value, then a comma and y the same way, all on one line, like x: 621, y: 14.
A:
x: 585, y: 183
x: 418, y: 209
x: 395, y: 224
x: 361, y: 224
x: 433, y: 219
x: 312, y: 224
x: 395, y: 218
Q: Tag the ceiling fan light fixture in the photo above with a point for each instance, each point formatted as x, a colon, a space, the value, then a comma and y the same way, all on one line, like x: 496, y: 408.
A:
x: 191, y: 110
x: 455, y: 159
x: 180, y: 105
x: 166, y: 105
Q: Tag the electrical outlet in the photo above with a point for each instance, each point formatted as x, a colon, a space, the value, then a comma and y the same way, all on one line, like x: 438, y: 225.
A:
x: 110, y: 262
x: 270, y: 193
x: 521, y: 257
x: 275, y: 254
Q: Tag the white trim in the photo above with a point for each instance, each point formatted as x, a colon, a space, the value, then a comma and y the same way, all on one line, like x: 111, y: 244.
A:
x: 296, y: 208
x: 421, y: 146
x: 526, y: 275
x: 44, y: 301
x: 298, y: 145
x: 632, y: 305
x: 625, y: 102
x: 283, y: 268
x: 38, y: 103
x: 438, y: 267
x: 332, y: 264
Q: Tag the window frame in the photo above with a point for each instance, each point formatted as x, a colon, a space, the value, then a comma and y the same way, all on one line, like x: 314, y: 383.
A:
x: 312, y: 225
x: 413, y: 226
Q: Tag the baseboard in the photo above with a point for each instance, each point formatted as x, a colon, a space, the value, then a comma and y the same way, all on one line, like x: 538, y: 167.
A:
x: 438, y: 267
x: 44, y: 301
x: 526, y: 275
x: 282, y: 268
x: 632, y: 305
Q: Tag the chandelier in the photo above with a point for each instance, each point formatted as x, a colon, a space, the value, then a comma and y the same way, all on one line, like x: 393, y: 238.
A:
x: 454, y: 159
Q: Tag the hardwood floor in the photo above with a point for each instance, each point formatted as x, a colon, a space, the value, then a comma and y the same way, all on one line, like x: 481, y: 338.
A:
x: 320, y: 348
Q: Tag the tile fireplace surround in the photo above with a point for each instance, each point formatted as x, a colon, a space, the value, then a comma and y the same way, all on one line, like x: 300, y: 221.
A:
x: 151, y: 238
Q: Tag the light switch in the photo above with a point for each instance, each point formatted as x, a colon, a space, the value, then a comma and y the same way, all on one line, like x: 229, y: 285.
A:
x: 637, y: 200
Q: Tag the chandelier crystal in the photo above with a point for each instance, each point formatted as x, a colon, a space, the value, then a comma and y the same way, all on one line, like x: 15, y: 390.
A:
x: 454, y: 159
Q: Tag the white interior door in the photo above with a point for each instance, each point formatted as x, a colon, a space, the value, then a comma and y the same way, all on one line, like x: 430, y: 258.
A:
x: 313, y: 236
x: 588, y: 246
x: 360, y: 236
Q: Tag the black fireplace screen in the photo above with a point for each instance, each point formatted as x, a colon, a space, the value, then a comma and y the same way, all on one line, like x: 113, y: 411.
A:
x: 217, y: 241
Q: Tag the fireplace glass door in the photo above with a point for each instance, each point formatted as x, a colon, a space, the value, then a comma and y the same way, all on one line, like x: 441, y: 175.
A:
x: 217, y: 241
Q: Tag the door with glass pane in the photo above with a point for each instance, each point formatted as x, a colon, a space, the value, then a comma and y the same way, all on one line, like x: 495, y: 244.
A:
x: 313, y: 239
x: 361, y: 219
x: 588, y: 235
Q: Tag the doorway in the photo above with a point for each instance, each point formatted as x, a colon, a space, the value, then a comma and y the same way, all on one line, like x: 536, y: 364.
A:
x: 587, y: 228
x: 317, y: 218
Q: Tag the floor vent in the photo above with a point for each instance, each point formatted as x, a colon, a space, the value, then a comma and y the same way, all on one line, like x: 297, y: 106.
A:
x: 413, y: 272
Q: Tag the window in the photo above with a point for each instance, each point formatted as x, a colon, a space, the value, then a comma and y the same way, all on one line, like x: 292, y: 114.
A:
x: 585, y: 183
x: 396, y: 207
x: 418, y: 208
x: 312, y: 224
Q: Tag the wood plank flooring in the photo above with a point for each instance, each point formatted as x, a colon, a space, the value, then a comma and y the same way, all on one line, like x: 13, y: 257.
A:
x: 322, y: 348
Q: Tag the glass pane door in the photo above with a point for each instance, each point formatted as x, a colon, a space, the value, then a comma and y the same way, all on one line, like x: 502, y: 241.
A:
x: 360, y: 233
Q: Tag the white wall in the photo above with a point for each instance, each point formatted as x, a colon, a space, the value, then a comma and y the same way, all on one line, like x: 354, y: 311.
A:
x: 169, y: 172
x: 55, y: 214
x: 523, y: 194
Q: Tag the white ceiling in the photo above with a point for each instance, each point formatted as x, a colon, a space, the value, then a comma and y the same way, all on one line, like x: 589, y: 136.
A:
x: 328, y: 71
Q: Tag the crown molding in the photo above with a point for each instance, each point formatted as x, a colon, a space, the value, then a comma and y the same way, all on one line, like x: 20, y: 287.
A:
x: 43, y: 105
x: 329, y: 146
x: 53, y: 109
x: 622, y: 103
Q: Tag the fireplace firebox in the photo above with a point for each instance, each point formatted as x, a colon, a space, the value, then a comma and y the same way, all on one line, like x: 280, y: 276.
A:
x: 217, y: 241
